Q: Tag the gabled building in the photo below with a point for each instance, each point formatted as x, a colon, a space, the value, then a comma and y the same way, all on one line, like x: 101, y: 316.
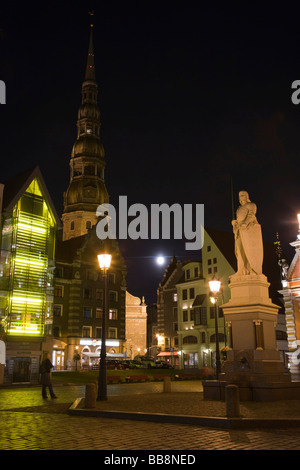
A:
x: 290, y: 280
x: 78, y: 302
x: 196, y: 313
x: 28, y: 233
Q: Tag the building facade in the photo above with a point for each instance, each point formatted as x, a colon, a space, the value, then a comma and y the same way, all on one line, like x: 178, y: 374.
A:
x: 290, y: 280
x: 136, y: 326
x: 78, y: 302
x: 29, y: 223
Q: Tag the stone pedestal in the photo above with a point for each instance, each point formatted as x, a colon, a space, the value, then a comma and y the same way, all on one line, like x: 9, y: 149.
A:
x: 253, y: 362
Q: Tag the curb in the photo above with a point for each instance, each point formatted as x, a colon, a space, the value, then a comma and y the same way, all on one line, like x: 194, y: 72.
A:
x: 77, y: 409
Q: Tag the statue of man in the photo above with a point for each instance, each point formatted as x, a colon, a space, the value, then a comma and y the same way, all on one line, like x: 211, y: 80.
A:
x: 248, y: 238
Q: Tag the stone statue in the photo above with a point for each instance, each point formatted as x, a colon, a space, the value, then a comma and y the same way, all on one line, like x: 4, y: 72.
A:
x: 248, y: 238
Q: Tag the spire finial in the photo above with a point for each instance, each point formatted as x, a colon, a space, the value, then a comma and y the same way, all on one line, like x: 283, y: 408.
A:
x: 90, y: 66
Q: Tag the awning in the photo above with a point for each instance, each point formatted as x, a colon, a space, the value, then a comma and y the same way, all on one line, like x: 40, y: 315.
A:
x: 97, y: 354
x: 199, y: 300
x: 167, y: 354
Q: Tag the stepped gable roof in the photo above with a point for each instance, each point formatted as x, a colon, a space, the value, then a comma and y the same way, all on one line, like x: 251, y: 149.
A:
x: 225, y: 243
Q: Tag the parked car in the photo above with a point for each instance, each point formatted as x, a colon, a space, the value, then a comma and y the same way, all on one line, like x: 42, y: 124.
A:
x: 145, y: 361
x: 163, y: 365
x: 114, y: 364
x: 135, y: 364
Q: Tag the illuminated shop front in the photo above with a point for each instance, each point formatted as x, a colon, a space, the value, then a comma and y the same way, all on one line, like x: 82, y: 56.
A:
x: 90, y: 351
x: 26, y: 276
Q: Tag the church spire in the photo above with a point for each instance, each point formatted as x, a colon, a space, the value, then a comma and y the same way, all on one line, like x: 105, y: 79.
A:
x: 86, y: 189
x: 90, y: 66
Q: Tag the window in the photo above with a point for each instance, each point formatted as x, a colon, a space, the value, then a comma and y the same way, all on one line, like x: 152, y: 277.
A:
x: 87, y: 312
x: 215, y: 269
x: 184, y: 294
x: 200, y: 314
x: 87, y: 293
x: 188, y: 274
x: 221, y: 314
x: 175, y: 312
x: 72, y: 226
x: 112, y: 333
x: 57, y: 310
x: 192, y: 293
x: 215, y: 260
x: 113, y: 296
x: 209, y: 262
x: 58, y: 291
x: 203, y: 339
x: 112, y: 278
x: 209, y: 248
x: 112, y: 314
x: 175, y: 327
x: 189, y: 340
x: 86, y: 331
x: 281, y: 335
x: 175, y: 297
x: 99, y: 295
x: 221, y: 338
x: 98, y: 332
x: 88, y: 225
x: 99, y: 312
x: 196, y: 272
x: 185, y: 315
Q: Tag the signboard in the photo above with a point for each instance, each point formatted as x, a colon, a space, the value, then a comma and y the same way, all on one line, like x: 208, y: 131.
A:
x: 2, y: 352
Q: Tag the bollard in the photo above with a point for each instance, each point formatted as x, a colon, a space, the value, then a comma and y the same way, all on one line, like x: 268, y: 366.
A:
x: 167, y: 384
x: 232, y: 401
x: 90, y: 395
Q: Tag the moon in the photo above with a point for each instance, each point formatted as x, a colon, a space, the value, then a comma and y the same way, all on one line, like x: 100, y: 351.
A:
x: 160, y: 260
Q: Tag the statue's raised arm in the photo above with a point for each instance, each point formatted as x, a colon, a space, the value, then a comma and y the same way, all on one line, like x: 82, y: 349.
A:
x: 248, y: 238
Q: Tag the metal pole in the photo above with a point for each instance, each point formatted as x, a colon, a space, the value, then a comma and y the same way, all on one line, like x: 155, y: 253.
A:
x: 102, y: 385
x: 218, y: 361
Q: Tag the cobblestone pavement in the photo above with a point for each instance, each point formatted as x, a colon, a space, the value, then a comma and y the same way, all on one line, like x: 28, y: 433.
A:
x: 27, y: 422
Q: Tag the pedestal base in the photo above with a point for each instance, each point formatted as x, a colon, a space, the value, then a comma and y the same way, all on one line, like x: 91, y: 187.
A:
x: 255, y: 391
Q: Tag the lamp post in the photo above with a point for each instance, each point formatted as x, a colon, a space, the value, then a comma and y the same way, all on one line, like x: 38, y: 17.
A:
x: 215, y: 285
x: 104, y: 263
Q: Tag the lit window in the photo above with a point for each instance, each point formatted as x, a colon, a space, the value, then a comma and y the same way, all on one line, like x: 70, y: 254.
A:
x: 112, y: 314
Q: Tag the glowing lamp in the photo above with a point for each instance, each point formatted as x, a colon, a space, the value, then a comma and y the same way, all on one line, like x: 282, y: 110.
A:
x: 104, y: 261
x: 214, y: 285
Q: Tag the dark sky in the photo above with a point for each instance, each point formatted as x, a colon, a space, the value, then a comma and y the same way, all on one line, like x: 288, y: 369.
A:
x: 190, y: 97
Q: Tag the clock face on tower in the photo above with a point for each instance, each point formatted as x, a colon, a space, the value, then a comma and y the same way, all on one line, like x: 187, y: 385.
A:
x: 89, y: 192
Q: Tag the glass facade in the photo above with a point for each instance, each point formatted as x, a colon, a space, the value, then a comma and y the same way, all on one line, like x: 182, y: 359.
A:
x: 27, y: 265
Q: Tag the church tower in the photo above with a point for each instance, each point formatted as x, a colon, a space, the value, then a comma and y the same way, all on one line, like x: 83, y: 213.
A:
x: 87, y: 188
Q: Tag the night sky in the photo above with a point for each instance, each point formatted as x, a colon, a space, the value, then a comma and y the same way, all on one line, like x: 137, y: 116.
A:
x: 190, y: 97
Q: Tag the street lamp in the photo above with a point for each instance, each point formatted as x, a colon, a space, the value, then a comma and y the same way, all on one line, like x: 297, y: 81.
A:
x: 215, y: 285
x: 104, y: 263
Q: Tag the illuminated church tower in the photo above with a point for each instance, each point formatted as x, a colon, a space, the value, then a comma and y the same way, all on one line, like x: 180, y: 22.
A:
x: 86, y: 189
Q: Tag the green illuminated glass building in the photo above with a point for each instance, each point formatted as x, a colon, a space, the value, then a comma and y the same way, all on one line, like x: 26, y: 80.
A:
x: 29, y: 223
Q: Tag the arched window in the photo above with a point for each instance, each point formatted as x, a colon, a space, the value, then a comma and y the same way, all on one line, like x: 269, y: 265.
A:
x: 189, y: 340
x: 220, y: 336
